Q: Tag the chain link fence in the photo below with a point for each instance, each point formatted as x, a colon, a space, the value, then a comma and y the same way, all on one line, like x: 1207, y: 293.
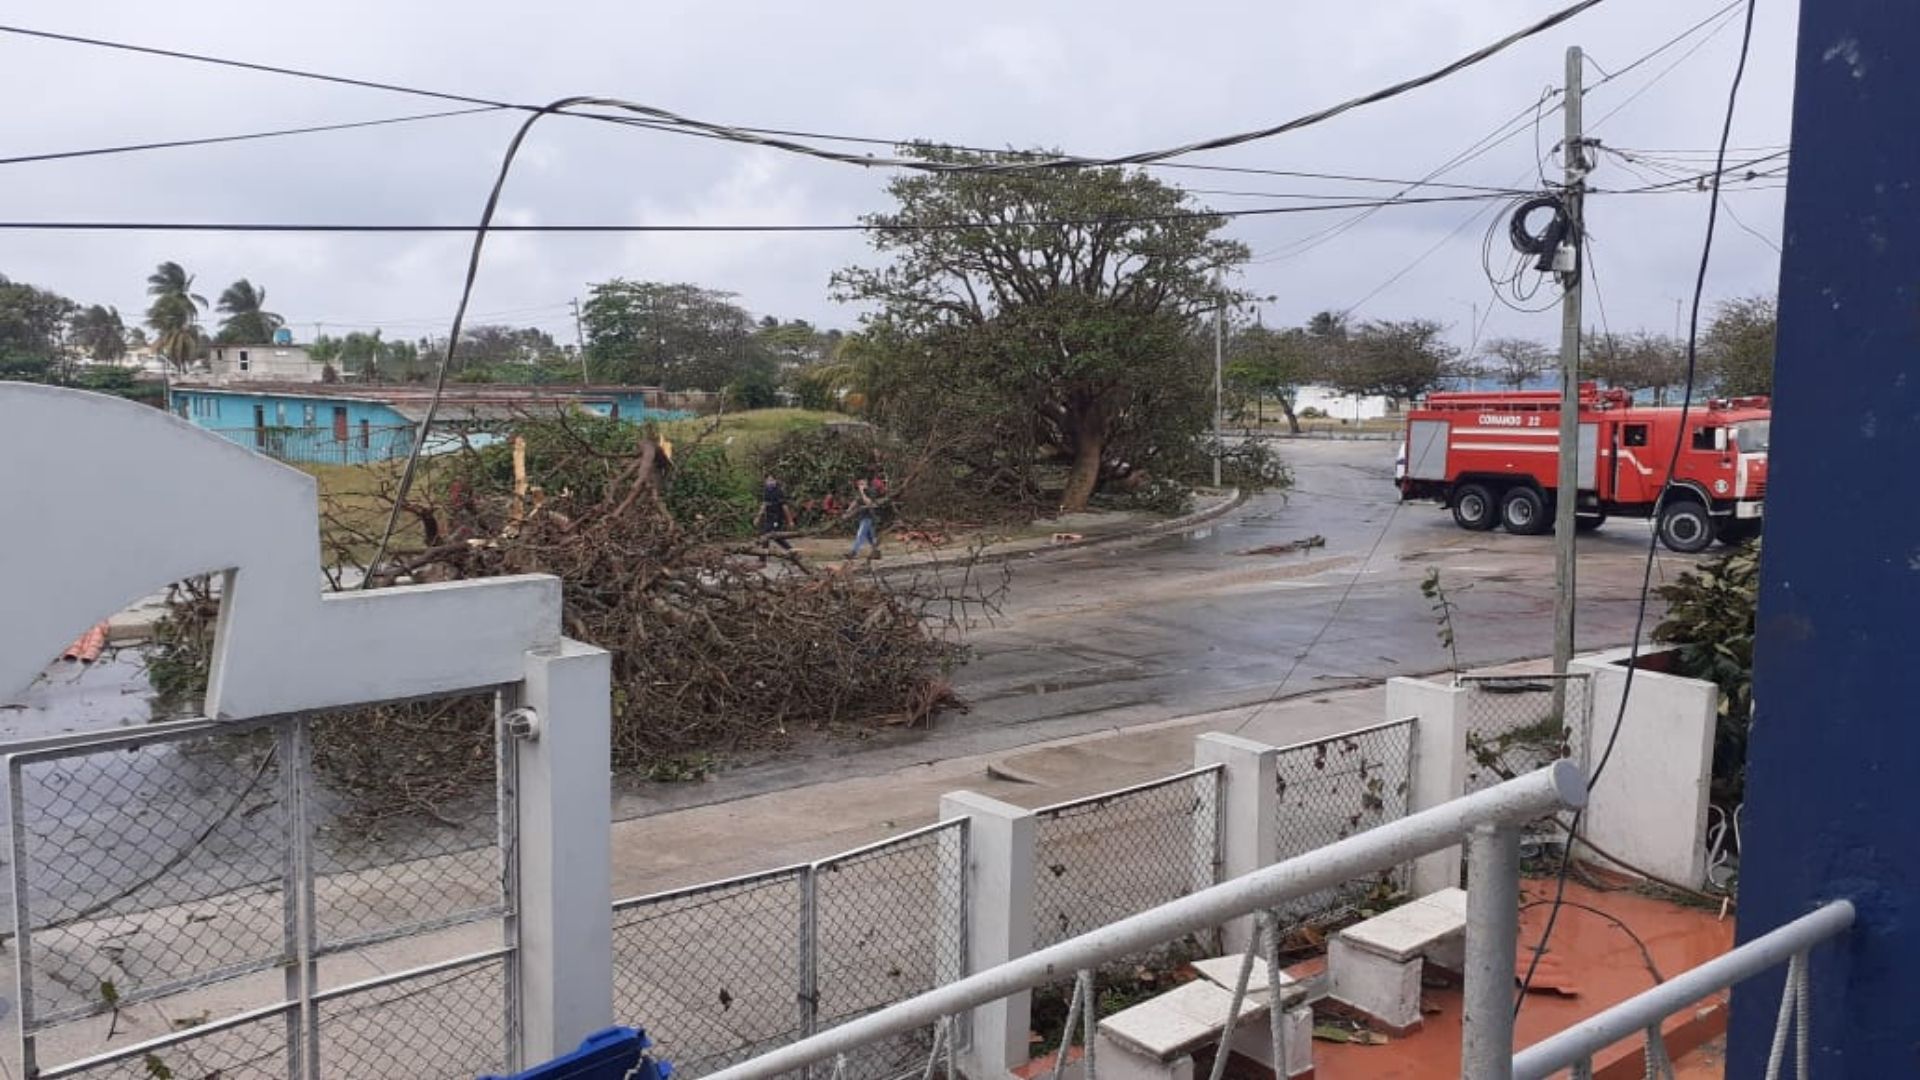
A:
x: 1518, y: 723
x: 889, y: 922
x: 721, y: 972
x: 713, y: 971
x: 352, y: 445
x: 180, y: 865
x: 1108, y: 856
x: 443, y: 1022
x: 1332, y: 788
x: 259, y: 1045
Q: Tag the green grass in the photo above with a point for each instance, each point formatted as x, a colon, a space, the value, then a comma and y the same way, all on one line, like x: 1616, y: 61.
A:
x: 744, y: 433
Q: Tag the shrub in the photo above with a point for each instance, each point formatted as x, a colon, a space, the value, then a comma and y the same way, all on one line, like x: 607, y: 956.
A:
x: 1710, y: 618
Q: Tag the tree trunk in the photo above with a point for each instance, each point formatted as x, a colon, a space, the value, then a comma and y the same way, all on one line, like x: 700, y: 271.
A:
x: 1089, y: 447
x: 1293, y: 422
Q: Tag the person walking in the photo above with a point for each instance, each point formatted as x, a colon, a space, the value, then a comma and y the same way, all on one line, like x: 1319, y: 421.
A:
x: 774, y: 516
x: 866, y: 509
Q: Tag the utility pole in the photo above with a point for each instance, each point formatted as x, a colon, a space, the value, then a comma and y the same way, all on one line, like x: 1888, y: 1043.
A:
x: 580, y: 336
x: 1219, y: 350
x: 1568, y: 492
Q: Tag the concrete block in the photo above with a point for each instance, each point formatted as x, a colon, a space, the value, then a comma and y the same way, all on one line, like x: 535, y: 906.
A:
x: 1410, y: 930
x: 1000, y: 840
x: 1254, y: 1041
x: 1118, y: 1061
x: 1249, y: 802
x: 1179, y: 1021
x: 1224, y: 972
x: 1380, y: 986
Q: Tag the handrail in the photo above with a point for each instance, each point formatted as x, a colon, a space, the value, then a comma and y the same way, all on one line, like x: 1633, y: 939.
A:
x: 1638, y: 1013
x: 1560, y: 786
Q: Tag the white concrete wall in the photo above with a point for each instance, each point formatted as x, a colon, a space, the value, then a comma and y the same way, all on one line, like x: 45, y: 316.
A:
x: 1339, y: 406
x: 1650, y: 807
x: 1439, y: 773
x: 265, y: 363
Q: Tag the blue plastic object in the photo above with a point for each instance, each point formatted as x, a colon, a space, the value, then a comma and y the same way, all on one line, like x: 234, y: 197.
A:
x: 604, y: 1055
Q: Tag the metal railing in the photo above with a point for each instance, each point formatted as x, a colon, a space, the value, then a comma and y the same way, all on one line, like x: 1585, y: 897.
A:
x: 1575, y: 1047
x: 721, y: 971
x: 1329, y: 789
x: 1107, y: 856
x: 1492, y: 817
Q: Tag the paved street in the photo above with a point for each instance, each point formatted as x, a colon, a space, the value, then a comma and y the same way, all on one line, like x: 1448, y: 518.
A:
x: 1187, y: 623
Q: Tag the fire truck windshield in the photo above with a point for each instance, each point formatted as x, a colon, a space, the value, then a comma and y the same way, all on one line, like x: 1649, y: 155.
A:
x: 1752, y: 436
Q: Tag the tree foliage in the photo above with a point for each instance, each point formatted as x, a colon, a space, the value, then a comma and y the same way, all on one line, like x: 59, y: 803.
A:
x: 245, y: 319
x: 1266, y: 363
x: 174, y: 314
x: 32, y: 323
x: 1738, y: 346
x: 100, y: 332
x: 674, y: 335
x: 1710, y: 617
x: 1516, y: 361
x: 1634, y: 362
x: 1403, y: 360
x: 1063, y: 327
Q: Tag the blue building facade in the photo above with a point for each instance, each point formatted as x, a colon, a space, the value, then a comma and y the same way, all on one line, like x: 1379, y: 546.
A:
x: 354, y: 425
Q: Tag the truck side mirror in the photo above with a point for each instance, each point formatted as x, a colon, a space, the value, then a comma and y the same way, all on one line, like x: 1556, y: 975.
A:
x: 1719, y: 438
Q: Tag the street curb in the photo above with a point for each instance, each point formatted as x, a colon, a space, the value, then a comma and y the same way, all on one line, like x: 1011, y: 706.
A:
x: 1236, y: 498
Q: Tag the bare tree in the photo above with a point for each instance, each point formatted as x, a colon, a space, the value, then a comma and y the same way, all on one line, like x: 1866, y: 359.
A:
x: 1516, y: 361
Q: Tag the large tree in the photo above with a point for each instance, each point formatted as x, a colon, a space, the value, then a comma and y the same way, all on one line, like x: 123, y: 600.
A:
x: 99, y: 330
x: 1402, y: 360
x: 1634, y: 362
x: 1737, y: 348
x: 1063, y: 311
x: 174, y: 314
x: 32, y: 323
x: 1272, y: 363
x: 246, y: 321
x: 1516, y: 361
x: 678, y: 336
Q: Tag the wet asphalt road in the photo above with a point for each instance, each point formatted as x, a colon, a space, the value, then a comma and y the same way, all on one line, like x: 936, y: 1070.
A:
x: 1194, y: 622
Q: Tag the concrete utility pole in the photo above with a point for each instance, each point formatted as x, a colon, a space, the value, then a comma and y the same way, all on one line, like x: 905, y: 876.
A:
x: 1219, y: 350
x: 1568, y: 495
x: 580, y: 336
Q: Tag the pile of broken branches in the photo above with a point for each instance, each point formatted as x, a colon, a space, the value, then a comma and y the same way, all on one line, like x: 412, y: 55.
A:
x: 717, y: 646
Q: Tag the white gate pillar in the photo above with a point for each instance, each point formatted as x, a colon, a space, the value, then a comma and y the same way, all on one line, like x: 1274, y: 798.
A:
x: 1439, y: 772
x: 999, y: 924
x: 1249, y: 803
x: 564, y: 851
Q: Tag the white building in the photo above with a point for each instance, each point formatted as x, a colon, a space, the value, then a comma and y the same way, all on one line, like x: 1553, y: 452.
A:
x: 1339, y: 406
x: 262, y: 363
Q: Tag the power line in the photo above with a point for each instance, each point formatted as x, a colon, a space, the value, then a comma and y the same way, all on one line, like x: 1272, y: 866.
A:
x: 1726, y: 18
x: 172, y: 144
x: 1666, y: 487
x: 651, y: 116
x: 809, y: 227
x: 1670, y: 43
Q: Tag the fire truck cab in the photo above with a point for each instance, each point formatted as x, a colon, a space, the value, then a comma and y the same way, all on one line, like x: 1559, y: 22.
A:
x: 1494, y: 459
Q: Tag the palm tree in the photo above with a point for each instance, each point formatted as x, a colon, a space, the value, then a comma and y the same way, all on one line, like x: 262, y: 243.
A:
x: 174, y: 314
x: 247, y: 322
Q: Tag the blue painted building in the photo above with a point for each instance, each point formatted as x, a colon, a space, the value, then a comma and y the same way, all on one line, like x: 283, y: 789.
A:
x: 326, y: 423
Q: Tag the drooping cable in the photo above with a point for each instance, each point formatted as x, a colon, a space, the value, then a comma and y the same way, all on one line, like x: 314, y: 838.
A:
x: 1666, y: 487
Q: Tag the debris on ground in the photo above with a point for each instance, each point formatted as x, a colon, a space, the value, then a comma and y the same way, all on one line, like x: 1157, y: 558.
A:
x: 1305, y: 543
x: 1068, y: 537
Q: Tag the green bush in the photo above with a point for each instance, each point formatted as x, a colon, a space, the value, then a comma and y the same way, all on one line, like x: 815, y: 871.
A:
x: 1710, y: 618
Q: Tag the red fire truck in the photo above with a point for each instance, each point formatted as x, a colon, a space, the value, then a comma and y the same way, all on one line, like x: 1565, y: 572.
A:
x: 1494, y: 459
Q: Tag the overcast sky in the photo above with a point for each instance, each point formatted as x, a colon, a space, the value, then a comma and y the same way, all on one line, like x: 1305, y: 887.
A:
x: 1092, y: 78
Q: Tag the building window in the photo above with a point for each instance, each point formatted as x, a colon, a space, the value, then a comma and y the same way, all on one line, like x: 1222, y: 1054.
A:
x: 280, y: 414
x: 306, y: 416
x: 243, y: 360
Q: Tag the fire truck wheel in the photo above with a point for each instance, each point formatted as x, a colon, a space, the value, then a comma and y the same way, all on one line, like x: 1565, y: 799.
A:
x: 1686, y: 527
x: 1587, y: 523
x: 1524, y: 512
x: 1473, y: 508
x: 1739, y: 531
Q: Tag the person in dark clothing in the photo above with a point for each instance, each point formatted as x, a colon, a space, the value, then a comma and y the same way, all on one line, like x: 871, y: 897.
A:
x: 774, y: 516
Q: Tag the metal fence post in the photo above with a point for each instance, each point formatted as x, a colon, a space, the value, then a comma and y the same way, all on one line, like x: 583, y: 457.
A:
x: 999, y: 924
x: 564, y: 851
x: 1249, y: 802
x: 807, y: 978
x: 1493, y: 927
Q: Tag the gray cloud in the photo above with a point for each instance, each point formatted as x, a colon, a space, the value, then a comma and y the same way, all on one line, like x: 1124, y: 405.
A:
x: 1087, y: 77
